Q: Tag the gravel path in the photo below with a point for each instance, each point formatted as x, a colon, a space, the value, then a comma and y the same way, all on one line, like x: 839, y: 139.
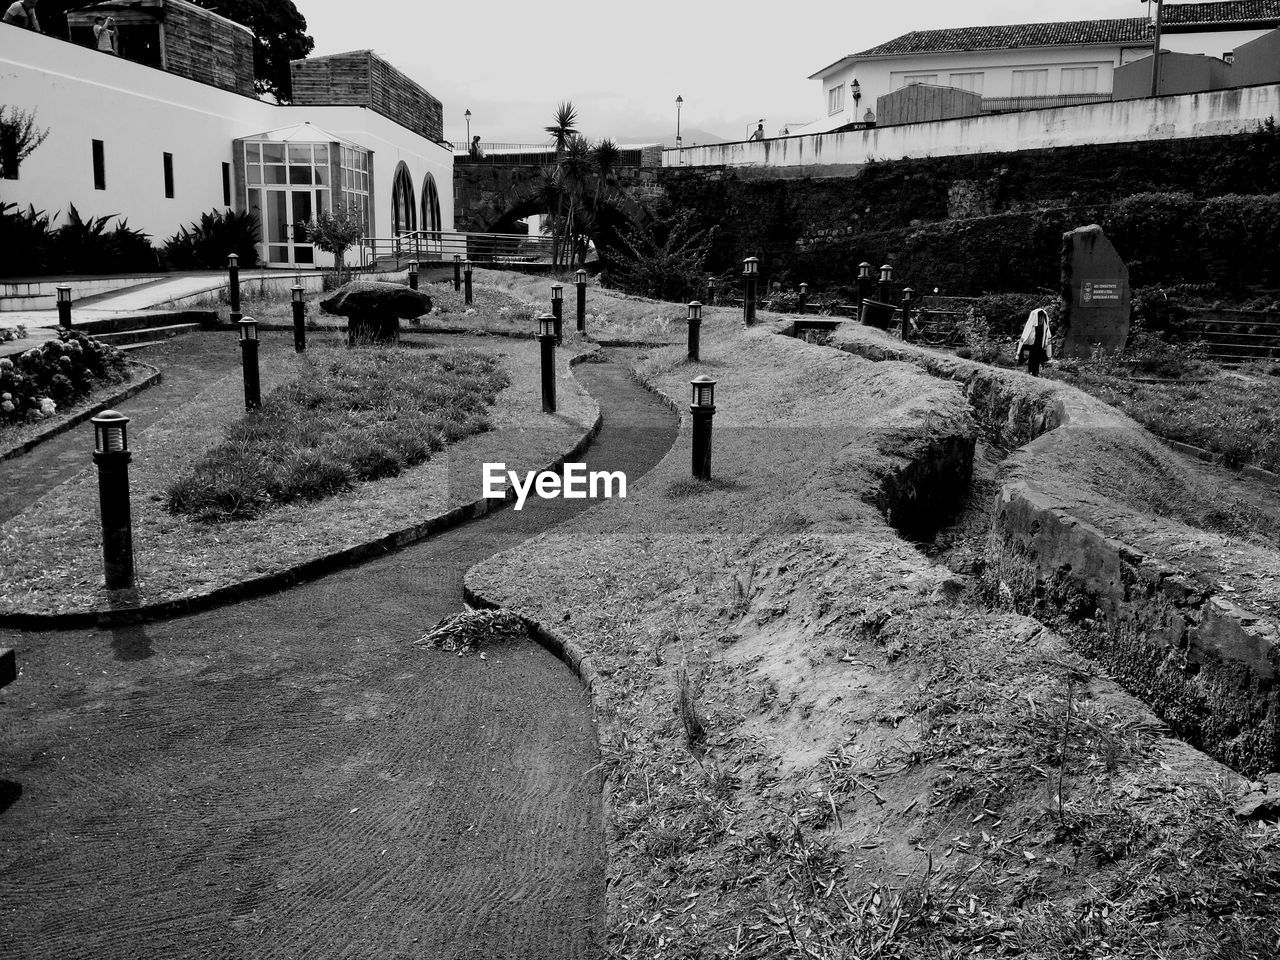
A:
x: 290, y: 777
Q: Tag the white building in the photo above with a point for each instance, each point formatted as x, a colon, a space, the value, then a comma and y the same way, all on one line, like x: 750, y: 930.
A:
x: 1030, y: 65
x: 160, y: 148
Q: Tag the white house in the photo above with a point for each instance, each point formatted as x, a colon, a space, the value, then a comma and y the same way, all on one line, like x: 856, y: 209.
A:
x: 1028, y: 65
x: 160, y: 148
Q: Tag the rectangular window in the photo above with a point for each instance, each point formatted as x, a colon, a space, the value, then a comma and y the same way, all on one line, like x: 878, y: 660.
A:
x: 835, y: 99
x: 918, y: 78
x: 967, y: 81
x: 1030, y: 83
x: 168, y: 175
x: 1079, y: 79
x: 226, y: 184
x: 99, y: 167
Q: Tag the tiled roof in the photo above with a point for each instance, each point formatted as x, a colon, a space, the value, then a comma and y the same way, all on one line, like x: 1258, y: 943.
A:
x: 1177, y: 17
x: 1074, y: 32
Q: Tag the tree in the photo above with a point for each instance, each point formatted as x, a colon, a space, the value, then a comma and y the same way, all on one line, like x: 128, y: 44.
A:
x: 19, y: 137
x: 279, y: 35
x: 334, y: 233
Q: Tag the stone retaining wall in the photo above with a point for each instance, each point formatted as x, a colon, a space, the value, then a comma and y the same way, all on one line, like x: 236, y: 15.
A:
x: 1205, y: 664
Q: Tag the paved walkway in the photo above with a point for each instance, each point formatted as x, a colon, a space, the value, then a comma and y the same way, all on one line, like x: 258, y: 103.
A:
x: 290, y: 777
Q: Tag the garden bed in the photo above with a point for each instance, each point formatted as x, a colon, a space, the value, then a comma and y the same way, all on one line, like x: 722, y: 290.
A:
x: 50, y: 552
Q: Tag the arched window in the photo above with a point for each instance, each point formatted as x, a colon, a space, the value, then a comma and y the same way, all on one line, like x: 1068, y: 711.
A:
x: 404, y: 211
x: 430, y: 205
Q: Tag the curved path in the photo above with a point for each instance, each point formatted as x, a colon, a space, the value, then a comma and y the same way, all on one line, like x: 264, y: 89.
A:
x: 290, y: 777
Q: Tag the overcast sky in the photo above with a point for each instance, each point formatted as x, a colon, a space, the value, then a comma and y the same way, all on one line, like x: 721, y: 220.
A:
x: 622, y: 65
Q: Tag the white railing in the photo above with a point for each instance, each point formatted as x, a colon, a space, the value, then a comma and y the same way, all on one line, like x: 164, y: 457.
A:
x: 444, y: 245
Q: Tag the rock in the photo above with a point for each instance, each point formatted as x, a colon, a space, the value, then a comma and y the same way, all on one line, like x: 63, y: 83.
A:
x: 949, y: 589
x: 374, y: 309
x: 1263, y: 801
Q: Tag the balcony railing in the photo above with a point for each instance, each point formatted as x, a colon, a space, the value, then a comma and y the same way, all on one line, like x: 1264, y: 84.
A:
x: 1015, y: 104
x: 530, y: 154
x: 444, y: 245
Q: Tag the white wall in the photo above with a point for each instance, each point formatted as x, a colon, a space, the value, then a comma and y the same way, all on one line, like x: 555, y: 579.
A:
x: 1211, y: 44
x: 1213, y: 113
x: 141, y: 113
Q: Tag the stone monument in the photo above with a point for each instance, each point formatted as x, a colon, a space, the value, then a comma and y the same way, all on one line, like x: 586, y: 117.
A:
x: 1095, y: 289
x: 374, y: 310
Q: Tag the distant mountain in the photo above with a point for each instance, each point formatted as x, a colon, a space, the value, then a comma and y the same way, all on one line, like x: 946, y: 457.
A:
x: 690, y: 136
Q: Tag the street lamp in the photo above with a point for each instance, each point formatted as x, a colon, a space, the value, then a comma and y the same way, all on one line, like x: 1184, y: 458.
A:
x: 750, y: 274
x: 856, y: 89
x: 468, y: 116
x: 466, y: 282
x: 413, y: 274
x: 557, y: 309
x: 864, y: 283
x: 233, y: 273
x: 249, y: 362
x: 111, y: 454
x: 695, y: 325
x: 907, y: 294
x: 299, y: 323
x: 64, y: 305
x: 702, y: 405
x: 886, y: 278
x: 804, y: 298
x: 547, y: 344
x: 679, y: 104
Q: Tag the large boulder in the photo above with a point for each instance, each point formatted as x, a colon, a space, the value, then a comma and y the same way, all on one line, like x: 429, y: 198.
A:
x: 374, y: 310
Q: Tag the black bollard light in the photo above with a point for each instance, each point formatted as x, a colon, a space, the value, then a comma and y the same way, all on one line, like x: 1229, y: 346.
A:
x: 804, y: 298
x: 249, y: 362
x: 413, y: 274
x: 582, y: 301
x: 695, y: 329
x: 711, y: 291
x: 864, y: 284
x: 557, y: 310
x: 547, y: 340
x: 466, y: 282
x: 751, y: 274
x: 457, y: 272
x: 886, y: 278
x: 111, y: 454
x: 64, y: 306
x: 299, y: 321
x: 703, y: 407
x: 907, y: 293
x: 233, y: 285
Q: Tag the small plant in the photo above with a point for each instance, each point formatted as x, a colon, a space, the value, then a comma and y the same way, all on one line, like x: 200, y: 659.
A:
x: 335, y: 233
x: 695, y: 733
x: 205, y: 244
x: 39, y: 382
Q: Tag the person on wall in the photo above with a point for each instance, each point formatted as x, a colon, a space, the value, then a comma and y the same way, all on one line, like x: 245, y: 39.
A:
x: 22, y: 13
x: 1035, y: 346
x: 759, y: 133
x: 475, y: 152
x: 104, y: 31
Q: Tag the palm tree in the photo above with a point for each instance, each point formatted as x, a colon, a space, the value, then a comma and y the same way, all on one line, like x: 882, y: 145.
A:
x: 561, y: 131
x: 576, y: 168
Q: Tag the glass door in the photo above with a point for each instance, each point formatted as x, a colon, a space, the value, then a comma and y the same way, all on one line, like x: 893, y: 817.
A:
x: 288, y: 185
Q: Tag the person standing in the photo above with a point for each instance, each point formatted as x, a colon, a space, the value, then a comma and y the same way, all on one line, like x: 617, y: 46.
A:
x: 104, y: 31
x: 1035, y: 344
x: 476, y: 152
x: 22, y: 13
x: 759, y: 134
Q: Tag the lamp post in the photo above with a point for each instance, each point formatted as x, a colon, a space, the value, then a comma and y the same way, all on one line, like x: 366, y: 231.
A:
x: 907, y: 293
x: 695, y: 329
x: 557, y: 310
x: 457, y: 271
x: 547, y: 341
x: 804, y: 298
x: 466, y: 282
x: 750, y: 274
x: 249, y: 362
x: 111, y: 454
x: 886, y: 278
x: 233, y: 285
x: 702, y: 406
x: 582, y: 300
x: 64, y: 306
x: 299, y: 322
x: 856, y: 89
x: 679, y: 105
x: 468, y: 116
x: 864, y: 283
x: 413, y: 274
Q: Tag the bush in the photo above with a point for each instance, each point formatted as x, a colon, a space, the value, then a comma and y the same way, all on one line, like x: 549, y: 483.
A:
x: 205, y: 245
x: 34, y: 247
x: 25, y: 239
x: 54, y: 375
x: 1156, y: 235
x: 664, y: 259
x: 360, y: 415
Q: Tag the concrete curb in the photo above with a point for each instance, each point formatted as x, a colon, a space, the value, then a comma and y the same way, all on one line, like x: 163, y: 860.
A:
x: 26, y: 446
x: 281, y: 579
x: 1208, y: 456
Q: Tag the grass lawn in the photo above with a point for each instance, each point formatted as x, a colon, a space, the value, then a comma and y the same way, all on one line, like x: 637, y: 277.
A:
x: 809, y: 754
x: 50, y: 554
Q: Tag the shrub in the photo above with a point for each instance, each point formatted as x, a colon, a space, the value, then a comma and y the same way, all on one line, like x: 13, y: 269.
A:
x: 205, y: 244
x: 1155, y: 234
x: 87, y: 246
x: 360, y: 415
x: 664, y: 259
x: 25, y: 240
x: 54, y: 375
x: 1240, y: 240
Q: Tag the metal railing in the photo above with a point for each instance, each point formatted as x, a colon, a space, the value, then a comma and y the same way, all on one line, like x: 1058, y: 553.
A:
x: 444, y: 245
x: 529, y: 154
x: 1015, y: 104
